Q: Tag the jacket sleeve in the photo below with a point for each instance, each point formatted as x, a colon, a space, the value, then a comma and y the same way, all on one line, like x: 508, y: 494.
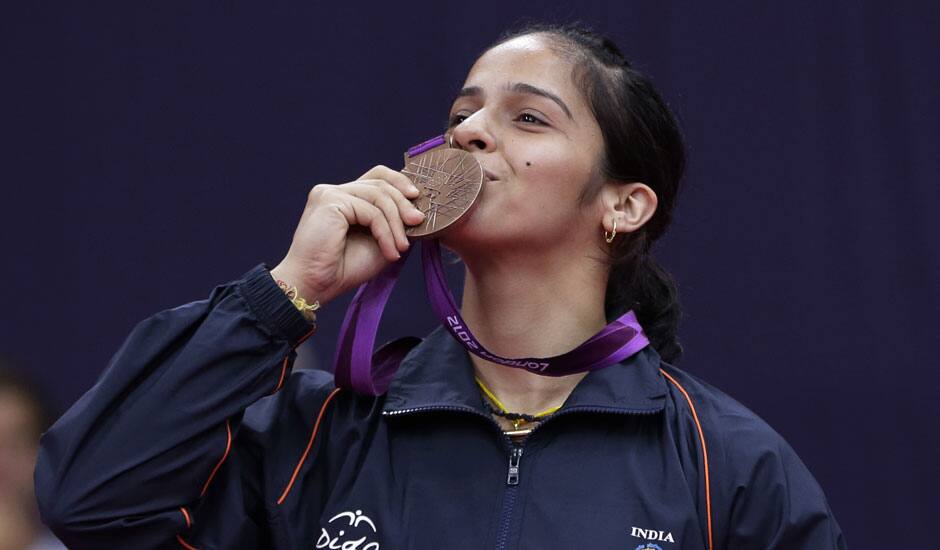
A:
x: 126, y: 464
x: 776, y: 502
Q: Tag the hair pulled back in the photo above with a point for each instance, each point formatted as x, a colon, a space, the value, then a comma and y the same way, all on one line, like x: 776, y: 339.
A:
x: 642, y: 143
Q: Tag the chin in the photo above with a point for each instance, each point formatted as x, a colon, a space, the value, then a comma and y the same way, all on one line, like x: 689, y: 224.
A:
x: 473, y: 234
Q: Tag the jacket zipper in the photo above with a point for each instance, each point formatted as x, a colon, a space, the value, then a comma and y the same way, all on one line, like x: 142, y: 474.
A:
x: 509, y: 495
x: 627, y: 412
x: 515, y: 456
x: 512, y: 475
x: 515, y: 461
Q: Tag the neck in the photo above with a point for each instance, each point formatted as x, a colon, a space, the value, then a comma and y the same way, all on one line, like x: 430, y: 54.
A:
x: 535, y: 306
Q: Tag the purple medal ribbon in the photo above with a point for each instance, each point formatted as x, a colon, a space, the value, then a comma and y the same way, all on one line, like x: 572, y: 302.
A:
x: 614, y: 343
x: 353, y: 364
x: 358, y: 369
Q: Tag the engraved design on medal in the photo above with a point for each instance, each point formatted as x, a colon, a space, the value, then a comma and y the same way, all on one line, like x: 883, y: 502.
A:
x: 450, y: 181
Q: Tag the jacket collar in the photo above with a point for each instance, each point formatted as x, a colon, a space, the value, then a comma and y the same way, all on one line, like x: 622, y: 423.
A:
x: 438, y: 374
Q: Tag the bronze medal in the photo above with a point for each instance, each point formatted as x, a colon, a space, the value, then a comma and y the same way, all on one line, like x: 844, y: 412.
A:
x: 449, y: 181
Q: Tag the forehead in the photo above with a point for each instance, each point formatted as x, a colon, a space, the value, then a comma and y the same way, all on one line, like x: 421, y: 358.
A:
x: 526, y: 59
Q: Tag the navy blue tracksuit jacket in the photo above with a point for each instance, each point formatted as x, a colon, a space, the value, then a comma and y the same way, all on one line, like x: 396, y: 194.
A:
x: 199, y: 436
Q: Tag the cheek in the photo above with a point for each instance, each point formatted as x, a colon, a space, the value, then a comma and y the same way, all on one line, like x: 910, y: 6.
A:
x: 554, y: 177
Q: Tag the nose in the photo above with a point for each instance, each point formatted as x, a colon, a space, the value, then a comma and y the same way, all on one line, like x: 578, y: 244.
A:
x: 473, y: 134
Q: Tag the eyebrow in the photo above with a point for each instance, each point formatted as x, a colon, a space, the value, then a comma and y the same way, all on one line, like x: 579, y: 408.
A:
x: 520, y: 88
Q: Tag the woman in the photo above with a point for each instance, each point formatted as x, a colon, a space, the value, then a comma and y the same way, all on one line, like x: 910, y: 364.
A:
x: 179, y: 445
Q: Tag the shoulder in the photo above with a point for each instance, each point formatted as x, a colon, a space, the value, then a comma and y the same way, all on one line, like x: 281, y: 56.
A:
x: 284, y: 419
x: 308, y: 400
x: 722, y: 418
x: 302, y: 391
x: 738, y: 441
x: 762, y: 492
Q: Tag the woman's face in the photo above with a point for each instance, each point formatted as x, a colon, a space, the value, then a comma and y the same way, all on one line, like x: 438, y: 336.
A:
x: 521, y: 116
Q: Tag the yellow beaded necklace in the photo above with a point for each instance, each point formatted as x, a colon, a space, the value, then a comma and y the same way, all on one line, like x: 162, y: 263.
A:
x: 516, y: 422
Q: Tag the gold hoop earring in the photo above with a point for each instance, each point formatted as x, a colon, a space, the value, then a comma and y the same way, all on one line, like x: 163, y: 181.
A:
x: 450, y: 141
x: 609, y: 235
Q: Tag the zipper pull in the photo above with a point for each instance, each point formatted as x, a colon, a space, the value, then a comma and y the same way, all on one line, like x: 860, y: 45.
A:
x: 514, y: 457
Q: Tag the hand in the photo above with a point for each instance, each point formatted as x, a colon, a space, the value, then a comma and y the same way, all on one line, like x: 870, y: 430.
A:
x: 348, y: 233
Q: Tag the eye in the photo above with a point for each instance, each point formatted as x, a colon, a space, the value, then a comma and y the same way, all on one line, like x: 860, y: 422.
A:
x: 455, y: 120
x: 529, y: 118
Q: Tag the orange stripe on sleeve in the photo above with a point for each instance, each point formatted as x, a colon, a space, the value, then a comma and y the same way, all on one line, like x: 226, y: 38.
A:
x: 280, y: 382
x: 228, y: 447
x: 189, y: 521
x: 184, y: 544
x: 305, y: 336
x: 701, y: 435
x: 303, y: 457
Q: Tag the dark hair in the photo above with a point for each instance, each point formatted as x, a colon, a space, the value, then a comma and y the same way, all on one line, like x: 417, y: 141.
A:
x: 642, y: 143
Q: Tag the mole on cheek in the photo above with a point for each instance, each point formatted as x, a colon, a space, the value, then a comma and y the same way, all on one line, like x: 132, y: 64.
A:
x: 527, y: 163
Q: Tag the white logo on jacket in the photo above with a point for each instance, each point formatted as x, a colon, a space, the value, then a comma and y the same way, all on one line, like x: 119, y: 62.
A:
x: 343, y: 540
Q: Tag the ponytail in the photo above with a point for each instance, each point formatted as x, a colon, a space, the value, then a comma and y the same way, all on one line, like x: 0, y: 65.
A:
x: 651, y: 292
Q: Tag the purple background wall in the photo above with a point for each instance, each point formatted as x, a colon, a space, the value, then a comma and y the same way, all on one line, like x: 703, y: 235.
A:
x: 152, y: 153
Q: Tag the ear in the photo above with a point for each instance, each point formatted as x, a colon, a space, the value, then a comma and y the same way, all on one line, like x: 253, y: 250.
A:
x: 630, y: 204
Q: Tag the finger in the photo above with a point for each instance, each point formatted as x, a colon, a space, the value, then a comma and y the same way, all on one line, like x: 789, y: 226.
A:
x: 366, y: 214
x: 398, y: 180
x: 407, y: 210
x: 380, y: 194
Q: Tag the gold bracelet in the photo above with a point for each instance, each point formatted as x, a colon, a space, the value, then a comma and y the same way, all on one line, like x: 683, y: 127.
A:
x: 307, y: 310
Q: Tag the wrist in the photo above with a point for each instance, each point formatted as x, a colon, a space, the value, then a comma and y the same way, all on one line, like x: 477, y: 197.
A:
x: 294, y: 276
x: 280, y: 273
x: 299, y: 295
x: 266, y: 301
